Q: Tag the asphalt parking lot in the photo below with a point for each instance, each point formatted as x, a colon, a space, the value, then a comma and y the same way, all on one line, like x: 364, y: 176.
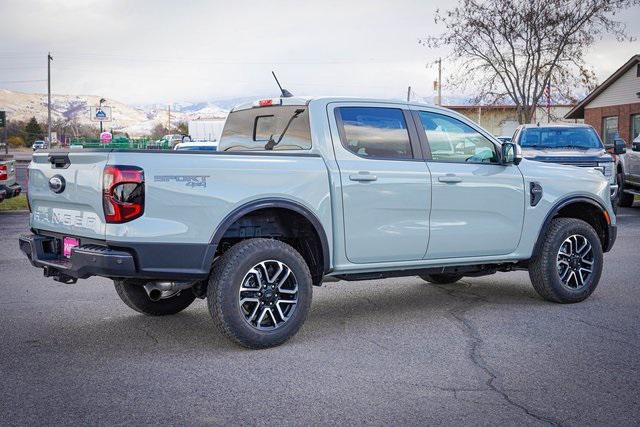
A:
x: 395, y: 351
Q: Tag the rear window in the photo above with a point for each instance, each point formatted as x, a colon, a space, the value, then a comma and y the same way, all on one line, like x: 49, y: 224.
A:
x: 267, y: 128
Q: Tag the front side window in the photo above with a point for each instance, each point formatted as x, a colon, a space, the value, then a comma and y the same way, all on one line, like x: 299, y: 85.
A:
x: 451, y: 140
x: 375, y: 132
x: 609, y: 130
x: 266, y: 129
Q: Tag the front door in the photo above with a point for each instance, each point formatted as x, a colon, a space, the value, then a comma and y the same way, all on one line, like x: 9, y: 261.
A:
x: 477, y: 203
x: 385, y: 184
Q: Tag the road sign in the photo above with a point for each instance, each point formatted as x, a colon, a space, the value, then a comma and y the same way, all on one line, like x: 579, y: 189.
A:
x: 101, y: 114
x: 106, y: 137
x: 3, y: 119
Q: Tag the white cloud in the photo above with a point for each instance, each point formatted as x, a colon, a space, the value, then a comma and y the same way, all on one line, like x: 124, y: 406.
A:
x: 163, y: 51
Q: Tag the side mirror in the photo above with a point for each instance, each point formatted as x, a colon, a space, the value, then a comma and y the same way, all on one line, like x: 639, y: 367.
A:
x: 511, y: 153
x: 635, y: 146
x: 619, y: 147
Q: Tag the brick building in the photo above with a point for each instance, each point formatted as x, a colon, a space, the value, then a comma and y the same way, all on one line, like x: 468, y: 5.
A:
x: 614, y: 106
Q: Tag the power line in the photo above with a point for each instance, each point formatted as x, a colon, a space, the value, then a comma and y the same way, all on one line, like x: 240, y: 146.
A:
x: 21, y: 81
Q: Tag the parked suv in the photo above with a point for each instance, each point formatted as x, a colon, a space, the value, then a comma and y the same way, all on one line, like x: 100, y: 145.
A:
x: 629, y: 174
x: 568, y: 144
x: 301, y: 189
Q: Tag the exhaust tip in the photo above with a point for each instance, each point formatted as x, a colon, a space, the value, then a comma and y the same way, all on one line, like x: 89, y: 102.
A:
x: 154, y: 294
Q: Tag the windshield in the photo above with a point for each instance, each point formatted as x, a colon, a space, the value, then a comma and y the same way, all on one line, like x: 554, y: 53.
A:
x: 581, y: 138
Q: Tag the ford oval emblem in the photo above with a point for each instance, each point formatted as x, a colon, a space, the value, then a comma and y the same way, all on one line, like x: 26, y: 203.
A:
x: 56, y: 184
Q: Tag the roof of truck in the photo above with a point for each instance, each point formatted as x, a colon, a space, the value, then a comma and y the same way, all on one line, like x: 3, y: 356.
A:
x: 555, y: 125
x: 305, y: 100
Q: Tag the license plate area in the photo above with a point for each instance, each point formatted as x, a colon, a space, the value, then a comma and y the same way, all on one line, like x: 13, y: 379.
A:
x: 69, y: 243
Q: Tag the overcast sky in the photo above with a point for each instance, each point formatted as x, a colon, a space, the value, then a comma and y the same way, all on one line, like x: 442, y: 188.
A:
x: 173, y: 51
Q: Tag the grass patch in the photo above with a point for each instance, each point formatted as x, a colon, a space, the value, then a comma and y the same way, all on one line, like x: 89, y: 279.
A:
x: 14, y: 204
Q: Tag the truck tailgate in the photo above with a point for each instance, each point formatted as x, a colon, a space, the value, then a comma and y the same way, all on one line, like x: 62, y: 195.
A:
x: 76, y: 209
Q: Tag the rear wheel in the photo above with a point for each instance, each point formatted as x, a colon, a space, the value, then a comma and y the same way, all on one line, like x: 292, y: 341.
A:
x: 441, y: 279
x: 134, y: 296
x: 567, y: 269
x: 259, y: 292
x: 625, y: 200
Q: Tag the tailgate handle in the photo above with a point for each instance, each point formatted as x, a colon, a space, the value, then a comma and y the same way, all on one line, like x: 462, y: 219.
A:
x: 59, y: 161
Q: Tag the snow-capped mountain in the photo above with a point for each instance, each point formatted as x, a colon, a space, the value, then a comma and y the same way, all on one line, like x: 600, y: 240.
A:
x: 135, y: 120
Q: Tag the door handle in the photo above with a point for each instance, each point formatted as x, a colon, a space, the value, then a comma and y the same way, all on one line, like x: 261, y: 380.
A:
x: 362, y: 176
x: 449, y: 179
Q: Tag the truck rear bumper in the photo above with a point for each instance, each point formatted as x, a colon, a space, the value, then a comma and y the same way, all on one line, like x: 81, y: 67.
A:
x: 150, y: 261
x: 10, y: 191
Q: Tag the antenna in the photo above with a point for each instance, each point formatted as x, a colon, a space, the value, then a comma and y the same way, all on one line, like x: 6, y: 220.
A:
x: 284, y: 93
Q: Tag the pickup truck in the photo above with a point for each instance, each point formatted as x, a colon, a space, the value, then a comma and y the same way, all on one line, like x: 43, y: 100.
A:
x: 303, y: 190
x: 569, y: 144
x: 8, y: 186
x: 629, y: 174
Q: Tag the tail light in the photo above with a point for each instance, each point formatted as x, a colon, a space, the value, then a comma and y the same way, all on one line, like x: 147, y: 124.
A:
x: 122, y: 193
x: 3, y: 172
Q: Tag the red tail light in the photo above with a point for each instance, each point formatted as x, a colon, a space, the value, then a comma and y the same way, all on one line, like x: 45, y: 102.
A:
x: 3, y: 172
x: 122, y: 193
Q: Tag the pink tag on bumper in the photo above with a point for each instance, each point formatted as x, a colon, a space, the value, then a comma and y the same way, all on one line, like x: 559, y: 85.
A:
x: 68, y: 243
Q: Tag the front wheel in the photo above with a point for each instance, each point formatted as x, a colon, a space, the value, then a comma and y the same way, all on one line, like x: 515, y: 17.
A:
x: 135, y: 297
x: 625, y: 200
x: 567, y: 269
x: 259, y: 293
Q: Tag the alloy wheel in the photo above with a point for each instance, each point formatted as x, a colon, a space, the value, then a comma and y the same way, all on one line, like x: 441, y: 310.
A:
x: 575, y: 261
x: 268, y: 295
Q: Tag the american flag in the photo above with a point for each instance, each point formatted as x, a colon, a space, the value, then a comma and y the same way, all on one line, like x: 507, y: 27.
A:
x: 547, y: 94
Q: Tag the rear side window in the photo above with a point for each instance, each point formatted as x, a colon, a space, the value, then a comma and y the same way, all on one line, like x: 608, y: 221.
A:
x: 266, y: 129
x: 374, y: 132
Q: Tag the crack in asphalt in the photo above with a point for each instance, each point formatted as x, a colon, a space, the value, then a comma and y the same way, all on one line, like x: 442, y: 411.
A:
x: 147, y: 333
x: 470, y: 301
x: 608, y: 330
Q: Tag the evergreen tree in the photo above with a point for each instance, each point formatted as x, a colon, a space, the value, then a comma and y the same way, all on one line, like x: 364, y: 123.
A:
x: 33, y: 130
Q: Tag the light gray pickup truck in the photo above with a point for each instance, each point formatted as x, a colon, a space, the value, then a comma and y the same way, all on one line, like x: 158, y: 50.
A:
x: 303, y: 190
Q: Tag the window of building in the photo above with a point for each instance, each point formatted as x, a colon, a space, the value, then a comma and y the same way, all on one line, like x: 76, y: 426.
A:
x: 635, y: 126
x: 609, y: 130
x: 375, y: 132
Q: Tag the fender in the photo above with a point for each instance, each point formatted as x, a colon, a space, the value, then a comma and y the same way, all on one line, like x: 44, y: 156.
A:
x: 561, y: 204
x: 276, y: 203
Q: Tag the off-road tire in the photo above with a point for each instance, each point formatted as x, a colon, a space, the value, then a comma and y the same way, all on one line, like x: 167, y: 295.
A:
x: 625, y: 200
x: 226, y: 278
x: 441, y: 279
x: 543, y: 270
x: 134, y: 295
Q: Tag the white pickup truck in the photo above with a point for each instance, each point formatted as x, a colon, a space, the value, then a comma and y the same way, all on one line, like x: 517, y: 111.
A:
x: 303, y: 189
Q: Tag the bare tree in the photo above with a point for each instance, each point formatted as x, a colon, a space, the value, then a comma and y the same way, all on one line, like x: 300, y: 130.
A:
x: 511, y: 50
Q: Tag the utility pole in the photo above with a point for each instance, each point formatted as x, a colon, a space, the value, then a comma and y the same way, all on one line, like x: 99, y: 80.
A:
x: 439, y: 81
x: 49, y: 59
x: 169, y: 128
x: 409, y: 94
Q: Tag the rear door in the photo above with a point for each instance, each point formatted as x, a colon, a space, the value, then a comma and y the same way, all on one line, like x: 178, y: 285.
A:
x: 65, y: 193
x: 477, y: 203
x: 385, y: 183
